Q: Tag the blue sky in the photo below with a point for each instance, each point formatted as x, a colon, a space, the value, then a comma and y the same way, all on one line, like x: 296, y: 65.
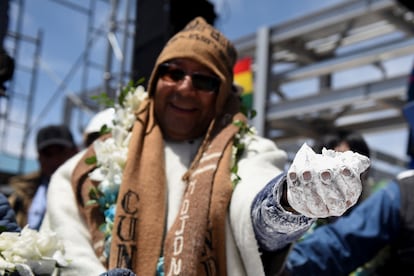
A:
x: 240, y: 17
x: 64, y: 39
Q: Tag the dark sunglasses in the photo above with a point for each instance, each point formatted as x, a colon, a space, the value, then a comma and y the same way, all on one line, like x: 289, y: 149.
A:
x: 204, y: 83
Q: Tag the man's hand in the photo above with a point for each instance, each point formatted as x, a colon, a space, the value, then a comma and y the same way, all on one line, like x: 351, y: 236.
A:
x: 327, y: 184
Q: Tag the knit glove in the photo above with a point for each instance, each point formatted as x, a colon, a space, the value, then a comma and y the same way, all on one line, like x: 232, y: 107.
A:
x: 327, y: 184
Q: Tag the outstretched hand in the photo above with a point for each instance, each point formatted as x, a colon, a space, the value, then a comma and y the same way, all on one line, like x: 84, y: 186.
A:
x: 327, y: 184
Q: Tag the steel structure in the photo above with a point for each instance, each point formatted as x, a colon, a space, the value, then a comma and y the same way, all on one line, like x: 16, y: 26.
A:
x: 319, y: 45
x: 103, y: 75
x: 314, y: 50
x: 20, y: 96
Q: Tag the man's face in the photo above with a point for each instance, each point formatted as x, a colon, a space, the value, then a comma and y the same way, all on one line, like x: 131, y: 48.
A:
x: 185, y: 104
x: 51, y: 157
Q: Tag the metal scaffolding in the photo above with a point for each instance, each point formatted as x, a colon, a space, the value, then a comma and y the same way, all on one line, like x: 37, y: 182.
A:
x: 117, y: 32
x: 20, y: 96
x: 314, y: 48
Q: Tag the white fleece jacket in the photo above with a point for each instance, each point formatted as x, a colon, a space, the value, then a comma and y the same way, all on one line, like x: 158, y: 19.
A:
x: 261, y: 162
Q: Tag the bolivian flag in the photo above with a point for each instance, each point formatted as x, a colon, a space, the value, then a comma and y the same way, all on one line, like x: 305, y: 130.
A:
x: 243, y: 76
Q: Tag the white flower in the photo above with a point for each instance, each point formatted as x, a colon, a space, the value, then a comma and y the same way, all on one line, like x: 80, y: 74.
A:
x: 133, y: 100
x: 30, y: 248
x: 120, y: 136
x: 108, y: 153
x: 125, y: 118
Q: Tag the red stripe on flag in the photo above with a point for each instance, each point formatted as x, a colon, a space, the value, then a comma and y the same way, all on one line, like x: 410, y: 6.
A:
x: 242, y: 65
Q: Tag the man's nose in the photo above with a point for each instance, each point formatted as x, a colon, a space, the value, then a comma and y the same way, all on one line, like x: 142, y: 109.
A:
x: 186, y: 85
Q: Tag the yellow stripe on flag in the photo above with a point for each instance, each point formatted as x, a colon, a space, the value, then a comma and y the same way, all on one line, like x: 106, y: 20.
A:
x: 243, y: 75
x: 245, y: 80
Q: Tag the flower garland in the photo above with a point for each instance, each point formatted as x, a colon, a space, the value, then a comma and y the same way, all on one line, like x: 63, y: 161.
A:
x: 111, y: 154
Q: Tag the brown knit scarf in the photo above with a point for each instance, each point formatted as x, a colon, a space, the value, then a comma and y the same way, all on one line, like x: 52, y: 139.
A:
x: 195, y: 244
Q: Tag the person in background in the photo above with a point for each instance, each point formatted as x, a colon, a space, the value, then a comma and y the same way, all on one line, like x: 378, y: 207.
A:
x: 342, y: 141
x: 7, y: 216
x: 8, y: 221
x: 408, y: 112
x: 55, y: 145
x: 199, y: 192
x: 376, y: 238
x: 93, y: 129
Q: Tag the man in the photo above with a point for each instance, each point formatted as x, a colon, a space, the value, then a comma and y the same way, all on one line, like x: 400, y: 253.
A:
x: 55, y: 144
x: 196, y: 191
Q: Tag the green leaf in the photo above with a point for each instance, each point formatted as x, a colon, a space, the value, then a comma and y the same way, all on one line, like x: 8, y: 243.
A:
x: 91, y: 160
x: 238, y: 123
x: 103, y: 99
x: 94, y: 195
x: 252, y: 114
x: 105, y: 130
x: 91, y: 202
